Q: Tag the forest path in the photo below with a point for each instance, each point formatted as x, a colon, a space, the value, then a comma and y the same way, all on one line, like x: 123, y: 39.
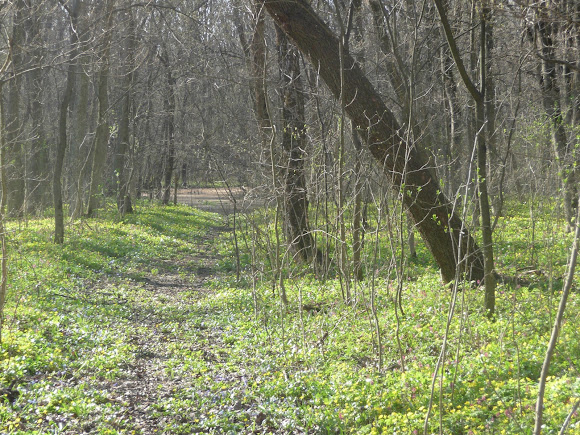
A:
x: 165, y: 323
x: 219, y: 199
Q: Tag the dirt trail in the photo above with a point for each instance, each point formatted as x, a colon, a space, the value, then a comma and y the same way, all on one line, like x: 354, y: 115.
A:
x: 147, y: 381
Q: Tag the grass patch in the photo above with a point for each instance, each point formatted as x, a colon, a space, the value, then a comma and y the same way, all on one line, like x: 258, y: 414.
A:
x: 149, y: 302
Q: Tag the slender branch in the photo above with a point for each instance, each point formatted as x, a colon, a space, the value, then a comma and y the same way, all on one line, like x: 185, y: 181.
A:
x: 569, y: 417
x: 471, y: 88
x: 570, y: 65
x: 556, y: 328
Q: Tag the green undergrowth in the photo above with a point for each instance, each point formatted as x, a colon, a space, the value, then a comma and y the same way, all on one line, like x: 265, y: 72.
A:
x: 237, y: 361
x: 318, y: 372
x: 68, y: 329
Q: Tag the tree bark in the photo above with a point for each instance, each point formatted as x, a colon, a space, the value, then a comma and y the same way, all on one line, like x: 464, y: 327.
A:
x: 3, y: 197
x: 14, y: 151
x: 294, y: 144
x: 442, y: 230
x: 102, y: 134
x: 553, y: 110
x: 38, y: 157
x: 123, y: 196
x: 168, y: 127
x: 74, y: 9
x: 478, y: 96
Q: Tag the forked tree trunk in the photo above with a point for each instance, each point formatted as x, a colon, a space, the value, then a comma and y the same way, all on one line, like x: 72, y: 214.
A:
x: 293, y: 144
x: 478, y: 96
x: 442, y: 230
x: 255, y: 56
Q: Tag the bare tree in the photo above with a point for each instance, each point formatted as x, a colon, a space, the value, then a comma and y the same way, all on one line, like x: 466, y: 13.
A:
x: 168, y: 124
x: 546, y: 32
x: 294, y: 146
x: 434, y: 216
x: 37, y: 166
x: 14, y: 131
x: 478, y: 96
x: 73, y: 10
x: 102, y: 133
x: 123, y: 179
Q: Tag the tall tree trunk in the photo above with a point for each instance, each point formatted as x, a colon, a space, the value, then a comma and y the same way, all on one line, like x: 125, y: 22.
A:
x: 3, y: 197
x: 491, y: 112
x: 553, y: 110
x: 482, y: 108
x: 183, y: 176
x: 255, y: 55
x: 294, y: 145
x: 357, y: 227
x: 74, y: 10
x: 14, y: 151
x: 81, y: 150
x: 478, y: 96
x: 455, y: 155
x: 102, y: 134
x: 123, y: 194
x: 442, y: 230
x: 38, y: 157
x: 168, y: 128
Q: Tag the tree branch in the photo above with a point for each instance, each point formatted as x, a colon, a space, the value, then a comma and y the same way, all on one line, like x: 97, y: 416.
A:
x: 471, y: 88
x: 556, y: 328
x: 570, y: 65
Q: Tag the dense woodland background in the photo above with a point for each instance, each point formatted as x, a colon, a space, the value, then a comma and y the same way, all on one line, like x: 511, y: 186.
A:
x: 131, y: 98
x: 356, y: 141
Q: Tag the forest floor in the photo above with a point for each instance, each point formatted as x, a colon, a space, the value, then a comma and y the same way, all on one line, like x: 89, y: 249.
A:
x: 148, y: 311
x: 167, y: 297
x: 140, y: 325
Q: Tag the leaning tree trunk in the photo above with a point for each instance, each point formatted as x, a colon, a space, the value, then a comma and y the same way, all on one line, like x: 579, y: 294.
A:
x: 102, y: 134
x: 293, y: 144
x: 442, y: 230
